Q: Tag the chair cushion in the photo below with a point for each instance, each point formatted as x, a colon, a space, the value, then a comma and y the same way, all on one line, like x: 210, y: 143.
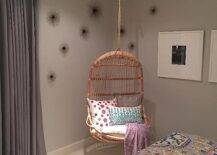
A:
x: 123, y: 115
x: 100, y: 112
x: 129, y: 101
x: 116, y: 129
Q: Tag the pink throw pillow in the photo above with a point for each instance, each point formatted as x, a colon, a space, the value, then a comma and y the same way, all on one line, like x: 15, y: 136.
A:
x: 100, y: 112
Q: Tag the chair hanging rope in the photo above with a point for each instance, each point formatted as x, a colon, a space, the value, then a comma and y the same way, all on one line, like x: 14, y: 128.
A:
x: 119, y: 26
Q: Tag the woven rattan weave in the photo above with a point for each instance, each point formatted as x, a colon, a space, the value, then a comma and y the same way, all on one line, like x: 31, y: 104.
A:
x: 116, y: 73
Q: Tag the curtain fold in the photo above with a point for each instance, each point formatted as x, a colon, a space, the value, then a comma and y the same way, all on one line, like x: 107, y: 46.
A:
x: 1, y: 48
x: 21, y: 106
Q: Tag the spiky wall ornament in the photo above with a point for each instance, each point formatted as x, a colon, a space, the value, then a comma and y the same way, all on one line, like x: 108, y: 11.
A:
x: 95, y: 10
x: 153, y: 10
x: 64, y: 48
x: 122, y: 31
x: 51, y: 76
x: 84, y: 32
x: 131, y: 46
x: 53, y: 18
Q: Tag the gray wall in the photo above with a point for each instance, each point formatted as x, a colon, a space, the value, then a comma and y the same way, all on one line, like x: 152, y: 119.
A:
x: 63, y: 100
x: 174, y: 105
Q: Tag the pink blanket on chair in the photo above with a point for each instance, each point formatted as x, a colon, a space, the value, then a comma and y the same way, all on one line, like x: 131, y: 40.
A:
x: 136, y: 138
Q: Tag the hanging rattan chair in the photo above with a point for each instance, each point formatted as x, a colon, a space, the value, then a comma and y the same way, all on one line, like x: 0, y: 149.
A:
x: 116, y: 73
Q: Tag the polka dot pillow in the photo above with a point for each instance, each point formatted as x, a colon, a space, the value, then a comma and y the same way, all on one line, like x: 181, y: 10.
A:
x: 100, y: 112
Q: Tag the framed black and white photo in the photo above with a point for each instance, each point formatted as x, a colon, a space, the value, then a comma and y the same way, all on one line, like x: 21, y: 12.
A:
x: 213, y: 57
x: 180, y: 54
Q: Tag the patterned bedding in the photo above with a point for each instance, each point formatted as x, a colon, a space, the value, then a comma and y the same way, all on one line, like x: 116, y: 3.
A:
x: 182, y: 144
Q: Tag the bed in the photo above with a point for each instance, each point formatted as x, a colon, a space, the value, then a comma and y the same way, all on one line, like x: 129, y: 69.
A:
x: 182, y: 144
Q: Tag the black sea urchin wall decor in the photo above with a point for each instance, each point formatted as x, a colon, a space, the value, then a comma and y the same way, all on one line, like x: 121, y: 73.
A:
x: 51, y: 76
x: 122, y: 31
x: 95, y: 10
x: 131, y: 46
x: 53, y: 18
x: 84, y: 32
x: 64, y: 48
x: 153, y: 10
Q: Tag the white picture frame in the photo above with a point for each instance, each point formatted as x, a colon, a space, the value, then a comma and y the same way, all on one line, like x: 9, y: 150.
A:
x: 213, y: 57
x: 180, y: 54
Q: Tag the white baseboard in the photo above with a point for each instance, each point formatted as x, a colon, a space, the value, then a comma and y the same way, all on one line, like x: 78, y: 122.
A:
x: 69, y: 149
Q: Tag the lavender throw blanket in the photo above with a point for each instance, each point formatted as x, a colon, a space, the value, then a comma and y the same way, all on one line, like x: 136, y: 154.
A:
x: 136, y: 138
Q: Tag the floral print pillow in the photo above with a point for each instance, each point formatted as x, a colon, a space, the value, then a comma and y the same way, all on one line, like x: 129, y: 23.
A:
x: 100, y: 112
